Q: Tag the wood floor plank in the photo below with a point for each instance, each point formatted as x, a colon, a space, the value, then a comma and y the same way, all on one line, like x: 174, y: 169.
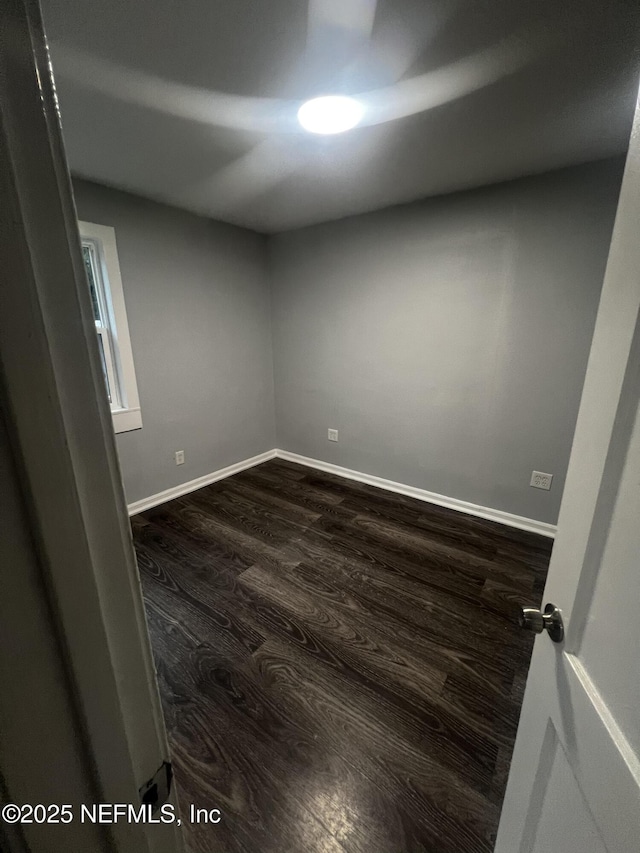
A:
x: 369, y: 672
x: 484, y: 675
x: 339, y: 667
x: 453, y: 816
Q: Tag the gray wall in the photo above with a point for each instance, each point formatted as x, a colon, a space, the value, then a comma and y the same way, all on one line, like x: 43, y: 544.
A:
x: 447, y: 340
x: 197, y: 301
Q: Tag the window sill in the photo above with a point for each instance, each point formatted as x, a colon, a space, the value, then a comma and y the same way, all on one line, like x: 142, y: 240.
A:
x: 125, y: 420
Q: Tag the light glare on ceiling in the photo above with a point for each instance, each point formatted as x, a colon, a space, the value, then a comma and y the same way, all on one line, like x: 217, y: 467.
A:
x: 330, y: 114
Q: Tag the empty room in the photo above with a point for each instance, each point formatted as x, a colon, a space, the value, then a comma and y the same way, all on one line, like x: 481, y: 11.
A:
x: 319, y: 358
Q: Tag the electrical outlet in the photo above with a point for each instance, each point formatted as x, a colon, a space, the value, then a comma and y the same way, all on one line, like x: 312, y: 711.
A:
x: 179, y: 457
x: 540, y: 480
x: 332, y: 435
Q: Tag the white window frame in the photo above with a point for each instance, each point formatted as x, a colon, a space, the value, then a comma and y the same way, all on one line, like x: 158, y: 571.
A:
x: 114, y: 334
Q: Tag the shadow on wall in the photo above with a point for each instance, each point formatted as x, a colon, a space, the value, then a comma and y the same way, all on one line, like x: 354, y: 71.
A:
x: 447, y: 340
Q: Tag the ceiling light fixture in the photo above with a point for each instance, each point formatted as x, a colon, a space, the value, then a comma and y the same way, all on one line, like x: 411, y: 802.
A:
x: 330, y: 114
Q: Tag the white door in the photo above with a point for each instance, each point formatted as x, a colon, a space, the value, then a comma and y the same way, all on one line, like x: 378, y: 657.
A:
x: 574, y: 785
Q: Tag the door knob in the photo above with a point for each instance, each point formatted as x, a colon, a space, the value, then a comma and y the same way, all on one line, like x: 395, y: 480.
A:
x: 532, y: 619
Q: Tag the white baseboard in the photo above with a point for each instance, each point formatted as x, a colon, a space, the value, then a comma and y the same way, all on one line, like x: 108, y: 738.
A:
x: 490, y: 514
x: 193, y: 485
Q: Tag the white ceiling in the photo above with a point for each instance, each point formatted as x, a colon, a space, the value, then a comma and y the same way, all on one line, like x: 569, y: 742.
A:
x: 193, y: 102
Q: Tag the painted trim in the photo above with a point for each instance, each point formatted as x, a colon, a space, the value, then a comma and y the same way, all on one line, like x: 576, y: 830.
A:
x: 498, y: 515
x: 127, y: 417
x: 502, y: 517
x: 198, y: 483
x: 125, y: 420
x: 85, y: 581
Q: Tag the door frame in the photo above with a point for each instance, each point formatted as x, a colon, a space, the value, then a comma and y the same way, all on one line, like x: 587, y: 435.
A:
x: 62, y: 441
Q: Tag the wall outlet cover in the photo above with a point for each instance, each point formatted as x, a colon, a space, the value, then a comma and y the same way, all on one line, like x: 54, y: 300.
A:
x: 179, y: 457
x: 539, y: 480
x: 332, y: 435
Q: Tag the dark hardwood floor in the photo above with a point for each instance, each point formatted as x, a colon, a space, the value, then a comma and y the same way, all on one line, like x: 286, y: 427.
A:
x: 339, y: 666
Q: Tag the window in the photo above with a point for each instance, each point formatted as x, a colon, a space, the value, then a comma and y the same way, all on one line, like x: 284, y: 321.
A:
x: 109, y: 313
